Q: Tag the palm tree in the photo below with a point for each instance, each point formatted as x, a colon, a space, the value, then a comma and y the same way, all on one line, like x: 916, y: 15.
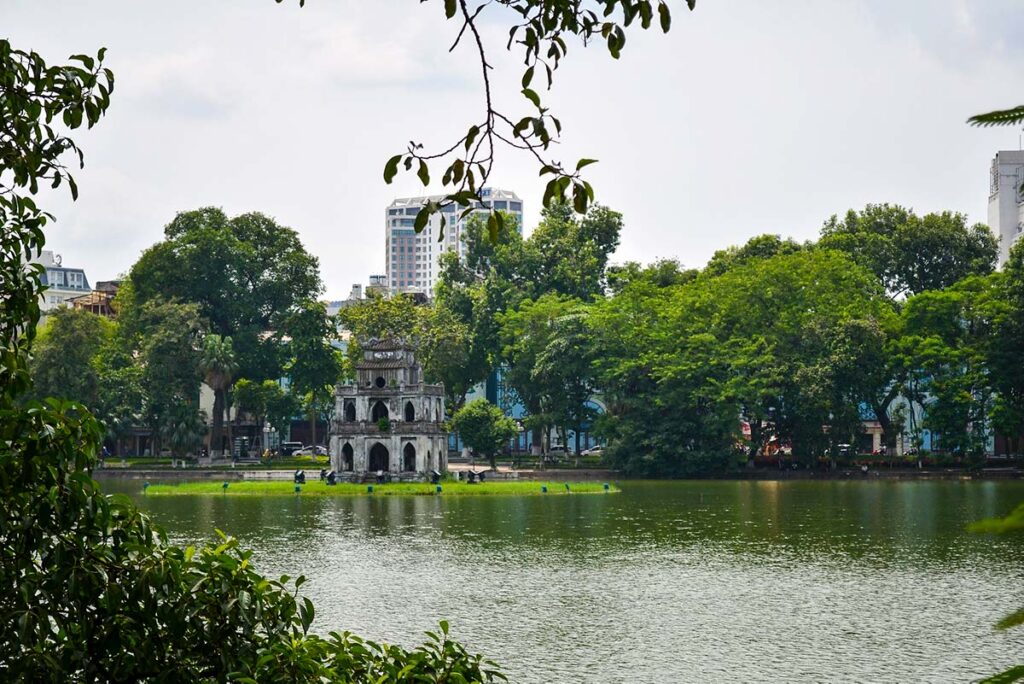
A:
x: 182, y: 430
x: 218, y: 366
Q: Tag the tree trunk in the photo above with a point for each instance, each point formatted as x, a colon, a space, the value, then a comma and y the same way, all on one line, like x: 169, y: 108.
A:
x: 312, y: 428
x: 217, y: 428
x: 493, y: 458
x: 537, y: 445
x: 229, y: 422
x: 577, y: 435
x: 881, y: 410
x: 756, y: 435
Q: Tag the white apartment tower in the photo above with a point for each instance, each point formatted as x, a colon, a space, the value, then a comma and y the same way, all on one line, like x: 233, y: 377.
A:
x: 1005, y: 200
x: 413, y: 260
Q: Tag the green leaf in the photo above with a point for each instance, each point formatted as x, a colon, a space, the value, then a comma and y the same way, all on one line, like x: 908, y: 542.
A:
x: 665, y: 16
x: 1003, y: 117
x: 424, y: 173
x: 579, y: 198
x: 391, y: 168
x: 471, y: 136
x: 532, y: 97
x: 492, y: 227
x: 449, y: 8
x: 582, y: 163
x: 1014, y: 674
x: 1014, y: 619
x: 527, y: 77
x: 422, y: 216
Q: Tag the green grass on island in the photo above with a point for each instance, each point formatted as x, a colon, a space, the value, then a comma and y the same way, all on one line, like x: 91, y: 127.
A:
x: 317, y: 488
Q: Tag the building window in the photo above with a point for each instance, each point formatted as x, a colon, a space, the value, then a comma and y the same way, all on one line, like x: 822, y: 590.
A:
x: 55, y: 277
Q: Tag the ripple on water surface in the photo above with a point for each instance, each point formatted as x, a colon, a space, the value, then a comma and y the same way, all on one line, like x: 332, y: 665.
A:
x: 666, y: 582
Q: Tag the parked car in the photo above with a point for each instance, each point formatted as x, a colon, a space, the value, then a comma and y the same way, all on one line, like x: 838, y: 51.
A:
x: 311, y: 450
x: 593, y: 451
x: 289, y: 448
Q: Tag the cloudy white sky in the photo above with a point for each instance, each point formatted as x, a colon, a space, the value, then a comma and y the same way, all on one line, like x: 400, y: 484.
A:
x: 749, y: 117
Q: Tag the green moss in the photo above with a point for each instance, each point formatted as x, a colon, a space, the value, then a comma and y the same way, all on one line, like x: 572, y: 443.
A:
x: 317, y: 488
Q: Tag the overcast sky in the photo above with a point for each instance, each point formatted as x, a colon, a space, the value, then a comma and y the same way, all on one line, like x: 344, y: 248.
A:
x: 749, y: 117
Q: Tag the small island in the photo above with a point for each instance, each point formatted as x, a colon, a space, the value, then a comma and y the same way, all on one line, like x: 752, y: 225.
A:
x: 318, y: 488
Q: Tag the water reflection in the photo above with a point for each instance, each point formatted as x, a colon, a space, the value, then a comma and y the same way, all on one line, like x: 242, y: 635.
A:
x: 696, y: 581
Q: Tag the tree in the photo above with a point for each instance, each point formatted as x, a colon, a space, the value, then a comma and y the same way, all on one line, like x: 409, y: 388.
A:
x: 776, y: 341
x: 164, y: 338
x: 526, y: 333
x: 64, y: 355
x: 90, y: 588
x: 663, y: 273
x: 246, y: 274
x: 379, y: 317
x: 760, y: 247
x: 912, y: 254
x: 566, y: 368
x: 484, y: 428
x: 315, y: 365
x: 946, y: 332
x: 182, y: 429
x: 565, y: 256
x: 267, y: 402
x: 1005, y: 350
x: 218, y: 366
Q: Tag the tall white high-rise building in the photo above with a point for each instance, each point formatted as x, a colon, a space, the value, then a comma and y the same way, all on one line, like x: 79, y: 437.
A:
x: 1005, y: 200
x: 412, y: 260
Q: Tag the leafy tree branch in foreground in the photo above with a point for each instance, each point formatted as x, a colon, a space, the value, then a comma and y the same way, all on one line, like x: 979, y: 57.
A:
x: 541, y: 31
x: 91, y: 588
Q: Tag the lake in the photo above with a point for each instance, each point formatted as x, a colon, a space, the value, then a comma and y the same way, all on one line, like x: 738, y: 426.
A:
x: 753, y: 581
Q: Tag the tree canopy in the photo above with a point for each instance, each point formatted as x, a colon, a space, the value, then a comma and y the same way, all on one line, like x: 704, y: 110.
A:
x: 911, y: 254
x: 246, y: 274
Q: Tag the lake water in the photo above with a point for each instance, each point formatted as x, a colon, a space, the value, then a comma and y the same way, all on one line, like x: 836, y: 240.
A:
x: 665, y: 582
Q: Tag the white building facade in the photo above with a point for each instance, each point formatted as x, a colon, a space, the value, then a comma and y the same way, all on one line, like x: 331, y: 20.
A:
x: 62, y: 283
x: 1005, y: 200
x: 413, y: 261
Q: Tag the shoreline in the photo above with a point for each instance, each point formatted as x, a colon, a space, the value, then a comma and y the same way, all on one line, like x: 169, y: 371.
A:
x: 590, y: 475
x: 316, y: 488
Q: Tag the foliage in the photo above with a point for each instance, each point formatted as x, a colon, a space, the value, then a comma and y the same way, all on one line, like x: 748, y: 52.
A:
x: 64, y: 353
x: 777, y: 341
x: 912, y: 254
x: 542, y: 28
x: 32, y: 151
x: 760, y: 247
x: 661, y: 273
x: 565, y: 257
x: 92, y: 591
x: 945, y: 332
x: 1005, y: 349
x: 267, y: 402
x: 379, y: 317
x: 314, y: 365
x: 218, y: 366
x: 484, y: 428
x: 1003, y: 117
x: 247, y: 275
